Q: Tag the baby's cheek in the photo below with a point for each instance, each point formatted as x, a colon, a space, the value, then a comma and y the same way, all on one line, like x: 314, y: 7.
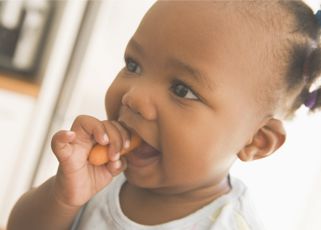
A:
x: 112, y: 102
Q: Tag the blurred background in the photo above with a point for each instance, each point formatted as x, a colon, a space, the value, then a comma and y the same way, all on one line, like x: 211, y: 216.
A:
x: 57, y: 58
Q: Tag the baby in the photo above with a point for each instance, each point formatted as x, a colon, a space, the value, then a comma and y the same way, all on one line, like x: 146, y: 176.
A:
x: 205, y: 83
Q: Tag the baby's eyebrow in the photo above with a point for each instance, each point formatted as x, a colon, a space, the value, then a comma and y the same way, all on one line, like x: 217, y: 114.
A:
x: 195, y: 73
x: 134, y: 44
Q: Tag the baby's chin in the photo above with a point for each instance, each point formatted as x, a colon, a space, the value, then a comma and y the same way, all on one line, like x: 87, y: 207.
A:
x: 144, y: 166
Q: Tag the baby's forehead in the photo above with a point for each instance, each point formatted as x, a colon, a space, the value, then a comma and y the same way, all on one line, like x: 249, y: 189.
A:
x: 221, y: 26
x: 267, y: 13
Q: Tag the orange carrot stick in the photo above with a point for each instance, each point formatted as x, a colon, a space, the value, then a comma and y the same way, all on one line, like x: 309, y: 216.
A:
x: 99, y: 153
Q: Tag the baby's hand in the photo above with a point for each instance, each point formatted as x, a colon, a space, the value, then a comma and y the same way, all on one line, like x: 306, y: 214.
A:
x: 77, y: 180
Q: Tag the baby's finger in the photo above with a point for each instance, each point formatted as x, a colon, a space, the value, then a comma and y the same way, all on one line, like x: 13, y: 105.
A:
x: 116, y: 167
x: 60, y: 144
x: 115, y: 139
x: 90, y: 128
x: 124, y: 134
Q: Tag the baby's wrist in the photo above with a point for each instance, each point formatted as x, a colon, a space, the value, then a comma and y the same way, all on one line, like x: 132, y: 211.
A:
x: 62, y: 200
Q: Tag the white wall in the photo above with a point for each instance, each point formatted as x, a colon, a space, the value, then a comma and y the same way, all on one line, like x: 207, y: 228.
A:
x: 15, y: 116
x: 23, y: 133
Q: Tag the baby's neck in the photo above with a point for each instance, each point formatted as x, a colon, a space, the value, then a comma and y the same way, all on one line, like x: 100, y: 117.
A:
x: 148, y: 207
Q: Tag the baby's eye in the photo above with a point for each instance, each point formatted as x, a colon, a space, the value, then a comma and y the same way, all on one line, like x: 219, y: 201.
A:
x: 181, y: 90
x: 132, y: 66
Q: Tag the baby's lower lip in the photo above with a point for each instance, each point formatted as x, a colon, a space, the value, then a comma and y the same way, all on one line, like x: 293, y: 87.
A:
x: 143, y: 155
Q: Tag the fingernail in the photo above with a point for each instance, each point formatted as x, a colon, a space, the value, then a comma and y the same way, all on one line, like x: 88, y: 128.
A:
x: 117, y: 164
x: 115, y: 157
x: 127, y: 144
x: 105, y: 138
x: 70, y: 133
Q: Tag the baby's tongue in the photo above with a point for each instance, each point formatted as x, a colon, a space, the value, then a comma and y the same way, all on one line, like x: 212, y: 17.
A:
x: 145, y: 151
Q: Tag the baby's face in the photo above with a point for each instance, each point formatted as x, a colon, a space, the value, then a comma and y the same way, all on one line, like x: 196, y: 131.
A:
x: 186, y: 92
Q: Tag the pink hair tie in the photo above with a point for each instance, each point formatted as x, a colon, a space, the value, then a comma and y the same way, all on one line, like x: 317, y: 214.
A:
x: 312, y: 99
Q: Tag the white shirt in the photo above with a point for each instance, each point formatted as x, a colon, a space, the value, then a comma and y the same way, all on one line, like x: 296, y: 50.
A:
x: 232, y: 211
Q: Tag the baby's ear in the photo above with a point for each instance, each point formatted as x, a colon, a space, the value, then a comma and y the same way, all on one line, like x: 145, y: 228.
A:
x: 265, y: 141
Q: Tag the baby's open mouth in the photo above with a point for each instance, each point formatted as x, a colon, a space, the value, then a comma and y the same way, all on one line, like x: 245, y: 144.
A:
x: 143, y: 155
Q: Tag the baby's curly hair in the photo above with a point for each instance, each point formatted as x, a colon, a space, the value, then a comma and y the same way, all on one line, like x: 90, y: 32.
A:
x: 291, y: 56
x: 304, y: 59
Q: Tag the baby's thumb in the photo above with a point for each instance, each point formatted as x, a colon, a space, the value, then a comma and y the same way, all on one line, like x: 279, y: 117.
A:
x: 60, y: 144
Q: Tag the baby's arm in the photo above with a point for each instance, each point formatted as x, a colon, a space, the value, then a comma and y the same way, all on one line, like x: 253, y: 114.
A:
x: 54, y: 204
x: 39, y: 209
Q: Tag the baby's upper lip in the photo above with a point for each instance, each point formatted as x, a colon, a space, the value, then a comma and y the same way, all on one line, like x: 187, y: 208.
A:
x: 130, y: 129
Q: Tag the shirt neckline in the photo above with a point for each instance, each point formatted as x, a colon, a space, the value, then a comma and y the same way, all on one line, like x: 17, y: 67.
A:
x: 124, y: 222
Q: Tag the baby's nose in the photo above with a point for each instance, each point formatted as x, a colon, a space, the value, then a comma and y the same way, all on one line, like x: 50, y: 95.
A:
x: 140, y: 101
